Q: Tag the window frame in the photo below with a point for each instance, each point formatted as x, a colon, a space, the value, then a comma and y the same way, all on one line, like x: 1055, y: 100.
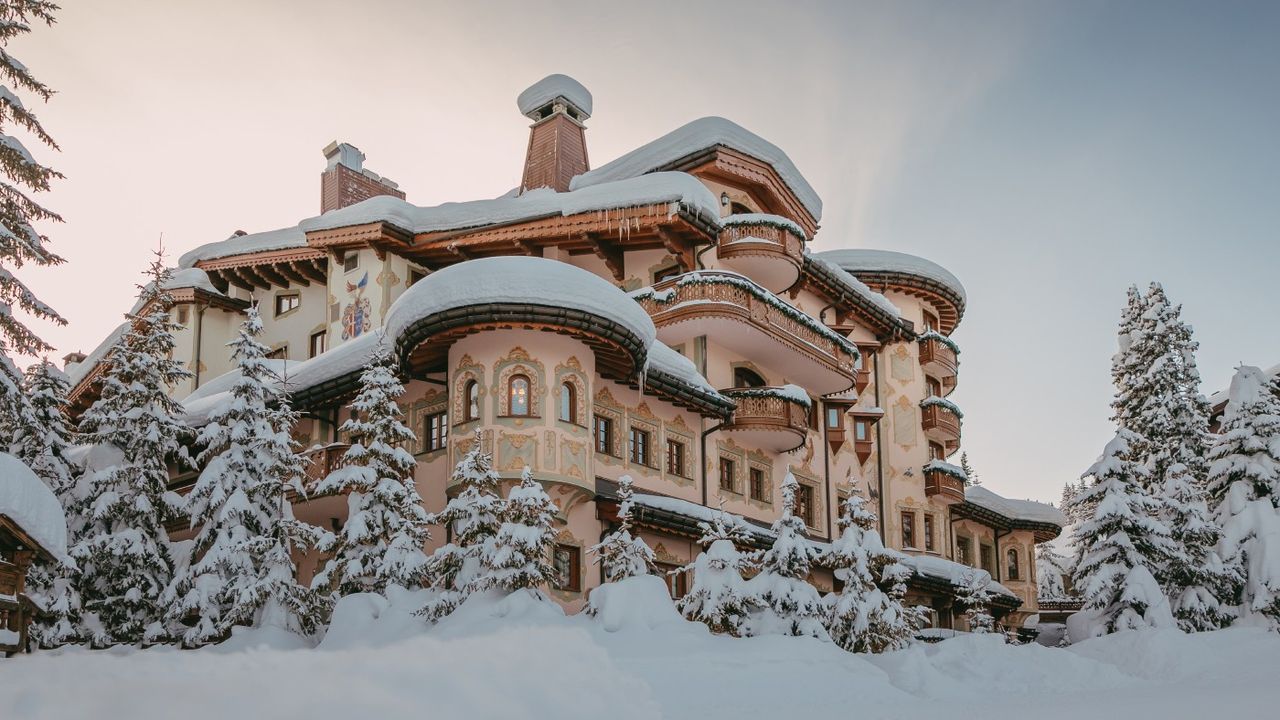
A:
x: 278, y: 353
x: 471, y: 400
x: 677, y: 582
x: 806, y: 504
x: 283, y: 298
x: 603, y: 440
x: 574, y: 552
x: 528, y: 396
x: 675, y: 460
x: 354, y: 264
x: 569, y: 394
x: 1013, y: 568
x: 930, y: 544
x: 644, y: 446
x: 908, y: 520
x: 323, y: 337
x: 754, y: 474
x: 435, y: 435
x: 728, y: 472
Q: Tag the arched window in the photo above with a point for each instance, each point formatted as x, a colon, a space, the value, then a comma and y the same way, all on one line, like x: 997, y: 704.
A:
x: 1012, y: 555
x: 518, y: 395
x: 746, y: 378
x: 738, y: 209
x: 568, y: 403
x: 472, y: 393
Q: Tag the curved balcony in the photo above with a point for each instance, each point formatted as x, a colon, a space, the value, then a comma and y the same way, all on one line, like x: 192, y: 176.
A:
x: 764, y: 248
x: 941, y: 483
x: 940, y: 419
x: 939, y: 358
x: 769, y: 418
x: 746, y: 319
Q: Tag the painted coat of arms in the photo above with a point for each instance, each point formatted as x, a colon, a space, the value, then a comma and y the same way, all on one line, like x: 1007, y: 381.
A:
x: 356, y: 315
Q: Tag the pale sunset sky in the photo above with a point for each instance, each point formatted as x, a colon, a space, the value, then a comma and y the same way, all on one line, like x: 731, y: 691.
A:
x: 1047, y: 154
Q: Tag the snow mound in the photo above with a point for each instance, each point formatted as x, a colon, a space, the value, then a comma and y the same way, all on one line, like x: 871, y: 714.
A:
x: 551, y: 87
x: 698, y: 135
x: 524, y: 280
x: 32, y: 505
x: 366, y: 620
x: 638, y: 604
x: 856, y: 260
x: 1014, y: 509
x: 282, y: 239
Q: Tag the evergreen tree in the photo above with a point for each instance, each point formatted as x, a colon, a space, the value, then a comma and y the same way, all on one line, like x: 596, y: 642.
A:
x: 474, y: 516
x: 1244, y: 481
x: 124, y: 551
x: 519, y: 558
x: 790, y: 604
x: 1126, y: 365
x: 719, y: 596
x: 1194, y: 575
x: 1121, y: 542
x: 971, y: 476
x: 1050, y: 569
x: 862, y: 617
x: 975, y: 596
x: 1069, y: 492
x: 620, y: 554
x: 385, y: 535
x: 20, y: 242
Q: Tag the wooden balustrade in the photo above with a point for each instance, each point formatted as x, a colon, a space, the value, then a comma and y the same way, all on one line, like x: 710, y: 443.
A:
x: 944, y: 486
x: 940, y: 423
x: 938, y: 357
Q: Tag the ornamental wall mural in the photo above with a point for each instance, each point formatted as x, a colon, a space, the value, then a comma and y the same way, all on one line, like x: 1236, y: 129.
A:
x: 357, y: 314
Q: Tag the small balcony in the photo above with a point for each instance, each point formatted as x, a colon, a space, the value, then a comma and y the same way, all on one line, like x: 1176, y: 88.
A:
x: 939, y: 358
x: 765, y: 248
x: 940, y: 419
x: 769, y: 418
x: 942, y: 484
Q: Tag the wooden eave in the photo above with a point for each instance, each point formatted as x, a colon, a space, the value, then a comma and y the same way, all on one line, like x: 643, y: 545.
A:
x: 1042, y: 531
x: 949, y: 305
x: 756, y: 177
x: 9, y: 526
x: 850, y: 305
x: 381, y: 236
x: 282, y: 268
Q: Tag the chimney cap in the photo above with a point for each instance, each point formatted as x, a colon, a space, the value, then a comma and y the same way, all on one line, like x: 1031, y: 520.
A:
x: 343, y: 154
x: 551, y: 88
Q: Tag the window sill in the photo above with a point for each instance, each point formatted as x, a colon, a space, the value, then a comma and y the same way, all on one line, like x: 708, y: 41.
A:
x: 519, y: 417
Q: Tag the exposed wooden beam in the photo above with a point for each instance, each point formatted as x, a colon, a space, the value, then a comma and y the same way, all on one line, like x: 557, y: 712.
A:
x: 525, y: 248
x: 310, y: 269
x: 252, y: 275
x: 460, y: 252
x: 269, y: 272
x: 235, y: 278
x: 287, y: 270
x: 219, y: 281
x: 608, y: 252
x: 681, y: 249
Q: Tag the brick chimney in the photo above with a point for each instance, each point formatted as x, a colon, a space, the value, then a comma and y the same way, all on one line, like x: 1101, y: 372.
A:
x: 558, y: 105
x: 345, y: 181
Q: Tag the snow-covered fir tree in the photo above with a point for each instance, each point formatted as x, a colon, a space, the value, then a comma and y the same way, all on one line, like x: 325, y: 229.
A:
x: 790, y: 605
x: 383, y: 540
x: 620, y: 554
x: 1126, y: 365
x: 1195, y: 575
x: 1244, y: 481
x: 718, y: 596
x: 473, y: 517
x: 862, y: 617
x: 1051, y: 567
x: 1120, y: 543
x: 124, y: 551
x: 20, y: 242
x: 520, y: 556
x: 1069, y: 508
x: 974, y: 595
x: 971, y: 476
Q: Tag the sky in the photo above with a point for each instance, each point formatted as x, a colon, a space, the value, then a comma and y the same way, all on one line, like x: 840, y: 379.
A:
x: 1047, y: 154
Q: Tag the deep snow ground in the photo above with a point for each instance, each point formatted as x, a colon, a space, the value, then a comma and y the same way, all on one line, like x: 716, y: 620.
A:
x: 518, y: 658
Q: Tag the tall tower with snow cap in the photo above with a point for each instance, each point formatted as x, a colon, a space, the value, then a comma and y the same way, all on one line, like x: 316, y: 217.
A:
x: 558, y: 105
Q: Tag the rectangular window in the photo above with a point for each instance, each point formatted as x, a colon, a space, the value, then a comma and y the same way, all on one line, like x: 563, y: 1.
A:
x: 930, y: 321
x: 937, y: 452
x: 675, y: 457
x: 726, y: 474
x: 804, y: 504
x: 287, y: 303
x: 861, y: 430
x: 964, y: 553
x: 908, y: 529
x: 350, y: 260
x: 984, y: 559
x: 415, y: 276
x: 664, y: 273
x: 928, y: 532
x: 604, y: 435
x: 280, y: 353
x: 677, y: 582
x: 566, y: 562
x: 757, y: 484
x: 639, y: 446
x: 436, y: 431
x: 319, y: 342
x: 935, y: 387
x: 833, y: 418
x: 184, y: 314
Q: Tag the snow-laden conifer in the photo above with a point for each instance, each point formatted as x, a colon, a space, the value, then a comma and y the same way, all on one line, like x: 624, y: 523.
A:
x: 383, y: 541
x: 1244, y: 480
x: 1120, y: 543
x: 1195, y: 575
x: 971, y: 475
x: 124, y: 550
x: 621, y: 554
x: 1051, y: 567
x: 718, y: 596
x: 862, y: 617
x: 790, y: 605
x: 473, y: 516
x: 974, y: 595
x: 520, y: 555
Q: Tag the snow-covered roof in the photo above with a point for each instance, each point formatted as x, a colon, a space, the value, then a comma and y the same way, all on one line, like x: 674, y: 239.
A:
x: 855, y: 260
x: 668, y: 187
x: 77, y: 372
x: 551, y: 87
x: 186, y: 277
x: 1014, y: 509
x: 944, y: 569
x: 1223, y: 396
x: 698, y: 512
x: 518, y: 279
x: 224, y: 382
x: 694, y: 137
x: 27, y: 501
x: 678, y: 366
x: 857, y: 286
x: 282, y: 239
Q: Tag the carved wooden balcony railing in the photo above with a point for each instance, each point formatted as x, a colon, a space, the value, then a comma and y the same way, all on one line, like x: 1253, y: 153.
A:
x: 768, y: 419
x: 763, y: 251
x: 940, y: 423
x: 944, y: 486
x: 939, y: 359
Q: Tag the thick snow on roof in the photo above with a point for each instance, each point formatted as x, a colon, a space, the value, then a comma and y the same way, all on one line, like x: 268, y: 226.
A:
x: 697, y: 512
x: 185, y: 277
x: 348, y: 357
x: 282, y: 239
x: 658, y: 188
x: 529, y: 280
x: 699, y: 135
x: 944, y: 569
x: 31, y: 504
x: 551, y: 87
x: 227, y: 380
x: 678, y: 366
x: 856, y: 260
x: 857, y: 286
x: 1223, y: 396
x: 76, y: 372
x: 1015, y: 509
